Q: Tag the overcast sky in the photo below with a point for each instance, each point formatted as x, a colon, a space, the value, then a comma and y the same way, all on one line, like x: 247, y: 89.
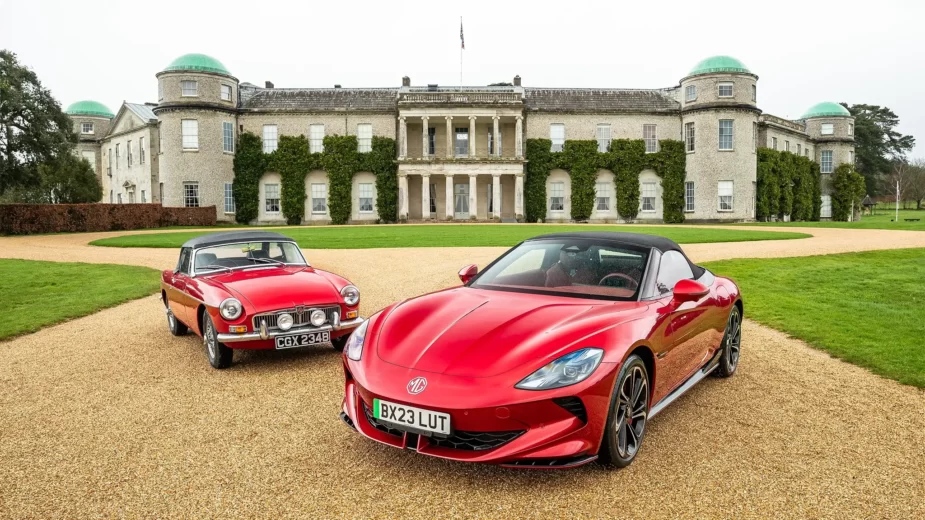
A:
x: 803, y: 51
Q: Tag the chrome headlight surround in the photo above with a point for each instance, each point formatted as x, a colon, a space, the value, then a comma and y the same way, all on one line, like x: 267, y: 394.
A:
x: 284, y: 321
x: 351, y: 295
x: 566, y: 370
x: 354, y: 347
x: 231, y: 308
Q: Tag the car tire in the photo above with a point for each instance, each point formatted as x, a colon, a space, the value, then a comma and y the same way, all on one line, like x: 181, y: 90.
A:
x: 731, y: 345
x: 629, y: 411
x: 340, y: 343
x: 218, y: 353
x: 174, y: 325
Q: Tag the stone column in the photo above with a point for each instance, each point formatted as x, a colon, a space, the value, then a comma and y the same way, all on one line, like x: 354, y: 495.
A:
x: 473, y: 194
x: 450, y: 151
x: 494, y: 136
x: 519, y: 138
x: 424, y: 141
x: 425, y: 196
x: 402, y: 197
x: 450, y: 201
x: 518, y: 196
x: 471, y: 136
x: 402, y: 138
x: 496, y: 192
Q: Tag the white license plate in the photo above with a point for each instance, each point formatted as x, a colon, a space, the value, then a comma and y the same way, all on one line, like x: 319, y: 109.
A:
x: 302, y: 340
x: 411, y: 418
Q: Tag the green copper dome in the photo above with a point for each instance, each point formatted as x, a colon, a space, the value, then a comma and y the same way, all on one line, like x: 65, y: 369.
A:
x: 89, y: 108
x: 826, y: 109
x: 197, y: 62
x: 719, y: 64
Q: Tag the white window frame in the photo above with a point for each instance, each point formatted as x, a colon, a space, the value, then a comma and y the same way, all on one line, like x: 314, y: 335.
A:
x: 491, y: 141
x: 689, y: 197
x: 825, y: 210
x: 650, y: 136
x: 602, y: 196
x: 365, y: 190
x: 141, y: 150
x: 731, y: 135
x: 189, y: 134
x: 319, y: 192
x: 799, y: 149
x: 603, y: 135
x: 824, y: 165
x: 316, y: 138
x: 690, y: 137
x: 225, y: 89
x: 364, y: 137
x: 690, y: 93
x: 725, y: 189
x: 271, y: 198
x: 189, y: 88
x: 827, y: 126
x: 460, y: 137
x: 557, y: 136
x: 227, y: 137
x: 850, y: 128
x: 229, y: 198
x: 270, y: 138
x: 128, y: 153
x: 755, y: 93
x: 774, y: 143
x: 118, y: 155
x: 723, y: 86
x: 647, y: 194
x: 557, y: 197
x: 144, y: 199
x: 191, y: 194
x: 86, y: 127
x: 786, y: 145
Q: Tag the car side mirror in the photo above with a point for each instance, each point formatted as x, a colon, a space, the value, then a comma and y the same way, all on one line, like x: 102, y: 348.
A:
x: 689, y: 290
x: 468, y: 273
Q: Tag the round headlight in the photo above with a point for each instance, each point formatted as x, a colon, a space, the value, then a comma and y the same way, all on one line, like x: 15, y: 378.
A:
x: 318, y: 317
x: 284, y: 321
x: 230, y: 309
x: 351, y: 295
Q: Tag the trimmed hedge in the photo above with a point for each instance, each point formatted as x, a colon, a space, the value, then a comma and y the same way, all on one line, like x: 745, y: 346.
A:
x: 27, y: 219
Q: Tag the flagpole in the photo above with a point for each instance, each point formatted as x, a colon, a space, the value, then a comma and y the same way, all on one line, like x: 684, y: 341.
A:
x: 461, y: 48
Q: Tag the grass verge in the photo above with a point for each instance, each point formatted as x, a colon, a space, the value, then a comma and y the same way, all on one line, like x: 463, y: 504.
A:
x: 882, y: 220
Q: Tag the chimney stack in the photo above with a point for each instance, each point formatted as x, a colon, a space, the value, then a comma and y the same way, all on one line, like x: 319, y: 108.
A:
x: 268, y: 84
x: 517, y: 81
x: 405, y: 81
x: 337, y: 85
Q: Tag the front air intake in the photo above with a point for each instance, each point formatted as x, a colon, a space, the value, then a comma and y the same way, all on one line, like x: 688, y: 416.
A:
x: 574, y: 406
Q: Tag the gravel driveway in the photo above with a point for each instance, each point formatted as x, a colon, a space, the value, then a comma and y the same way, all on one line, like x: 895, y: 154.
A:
x: 110, y: 416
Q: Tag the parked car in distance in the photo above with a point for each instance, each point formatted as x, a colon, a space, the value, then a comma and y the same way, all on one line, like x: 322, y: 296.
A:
x: 254, y: 290
x: 557, y: 354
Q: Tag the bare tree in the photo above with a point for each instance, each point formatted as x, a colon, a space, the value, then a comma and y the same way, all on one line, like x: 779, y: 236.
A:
x: 897, y: 181
x: 915, y: 182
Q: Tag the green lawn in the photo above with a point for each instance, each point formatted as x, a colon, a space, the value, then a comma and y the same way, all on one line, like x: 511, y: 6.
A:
x: 882, y: 220
x: 38, y: 294
x: 364, y: 237
x: 865, y: 308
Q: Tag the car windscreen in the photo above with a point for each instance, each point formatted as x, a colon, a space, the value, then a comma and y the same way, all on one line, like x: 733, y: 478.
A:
x: 245, y: 255
x: 563, y: 267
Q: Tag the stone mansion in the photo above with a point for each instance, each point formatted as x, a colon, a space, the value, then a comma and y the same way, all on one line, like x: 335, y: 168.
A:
x: 460, y: 148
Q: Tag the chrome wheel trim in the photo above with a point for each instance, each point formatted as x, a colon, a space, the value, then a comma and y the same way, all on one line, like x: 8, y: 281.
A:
x: 171, y: 319
x: 733, y: 339
x: 632, y: 411
x: 209, y: 339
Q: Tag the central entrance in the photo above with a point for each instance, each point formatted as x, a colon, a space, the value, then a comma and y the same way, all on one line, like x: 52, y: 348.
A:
x: 461, y: 202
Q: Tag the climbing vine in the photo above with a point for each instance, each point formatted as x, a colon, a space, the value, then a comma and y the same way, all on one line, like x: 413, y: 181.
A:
x: 249, y: 165
x: 788, y: 184
x: 847, y: 191
x: 626, y: 159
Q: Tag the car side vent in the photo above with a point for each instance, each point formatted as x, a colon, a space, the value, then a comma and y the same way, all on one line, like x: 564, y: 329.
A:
x: 574, y: 406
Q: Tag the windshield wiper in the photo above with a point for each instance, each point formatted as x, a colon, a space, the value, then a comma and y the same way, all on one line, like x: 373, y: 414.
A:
x: 268, y: 260
x: 212, y: 266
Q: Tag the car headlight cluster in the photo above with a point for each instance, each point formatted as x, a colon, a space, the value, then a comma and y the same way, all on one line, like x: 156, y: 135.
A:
x: 351, y: 295
x: 230, y: 308
x: 284, y: 321
x: 569, y: 369
x: 354, y: 347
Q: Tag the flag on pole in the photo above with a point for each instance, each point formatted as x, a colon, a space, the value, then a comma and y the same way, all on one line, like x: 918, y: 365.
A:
x: 462, y: 40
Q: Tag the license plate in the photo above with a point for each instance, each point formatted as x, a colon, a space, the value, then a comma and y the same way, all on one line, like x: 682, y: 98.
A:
x: 302, y: 340
x: 412, y: 418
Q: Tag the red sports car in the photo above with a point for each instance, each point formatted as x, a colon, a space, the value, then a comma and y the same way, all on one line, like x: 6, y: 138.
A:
x: 555, y: 355
x: 254, y: 290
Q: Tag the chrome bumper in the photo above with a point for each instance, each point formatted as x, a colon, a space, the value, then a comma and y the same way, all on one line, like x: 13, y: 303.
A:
x: 263, y: 333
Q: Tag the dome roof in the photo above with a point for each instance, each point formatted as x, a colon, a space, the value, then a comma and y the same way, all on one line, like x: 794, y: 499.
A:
x: 826, y: 109
x: 197, y: 62
x: 89, y: 108
x: 719, y: 64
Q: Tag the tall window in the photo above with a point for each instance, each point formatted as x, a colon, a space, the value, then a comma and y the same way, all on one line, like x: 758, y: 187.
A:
x: 648, y: 197
x: 755, y: 136
x: 462, y: 142
x: 827, y: 129
x: 226, y: 92
x: 825, y: 165
x: 826, y: 210
x: 690, y: 93
x: 319, y: 198
x: 227, y: 137
x: 86, y: 128
x: 188, y: 88
x: 144, y: 197
x: 431, y: 141
x: 118, y: 155
x: 754, y: 93
x: 492, y: 142
x: 489, y: 196
x: 189, y: 128
x: 689, y: 197
x: 774, y: 143
x: 556, y: 196
x: 141, y: 150
x: 689, y: 136
x: 786, y: 145
x: 366, y: 197
x: 119, y: 195
x: 271, y: 198
x: 850, y: 128
x: 131, y: 197
x: 109, y: 169
x: 808, y: 151
x: 799, y: 149
x: 650, y: 135
x: 725, y: 195
x: 557, y: 135
x: 602, y: 191
x: 725, y: 134
x: 269, y: 138
x: 128, y: 153
x: 603, y: 137
x: 725, y: 90
x: 229, y: 197
x: 364, y: 138
x: 191, y: 194
x: 315, y: 138
x: 433, y: 199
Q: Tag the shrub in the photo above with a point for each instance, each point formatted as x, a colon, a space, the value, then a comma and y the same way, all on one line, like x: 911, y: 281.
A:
x: 27, y: 219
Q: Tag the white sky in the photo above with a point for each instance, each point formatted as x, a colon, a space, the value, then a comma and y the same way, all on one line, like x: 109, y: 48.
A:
x: 803, y: 51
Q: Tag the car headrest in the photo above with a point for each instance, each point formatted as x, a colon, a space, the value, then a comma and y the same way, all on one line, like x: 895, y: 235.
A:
x: 204, y: 259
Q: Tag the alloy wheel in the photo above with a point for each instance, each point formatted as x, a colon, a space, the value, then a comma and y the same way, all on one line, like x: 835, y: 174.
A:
x: 209, y: 338
x: 632, y: 410
x: 734, y: 339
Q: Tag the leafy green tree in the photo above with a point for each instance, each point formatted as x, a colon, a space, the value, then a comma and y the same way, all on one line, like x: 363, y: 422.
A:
x: 877, y: 143
x: 847, y: 191
x: 33, y: 128
x: 66, y: 180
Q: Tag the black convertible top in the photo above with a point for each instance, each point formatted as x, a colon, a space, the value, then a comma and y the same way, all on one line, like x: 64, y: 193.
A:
x: 232, y: 237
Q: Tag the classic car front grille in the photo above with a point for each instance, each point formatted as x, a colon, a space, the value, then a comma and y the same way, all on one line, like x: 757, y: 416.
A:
x: 299, y: 318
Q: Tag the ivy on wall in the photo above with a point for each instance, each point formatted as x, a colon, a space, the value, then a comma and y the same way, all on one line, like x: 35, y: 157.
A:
x: 626, y: 158
x: 293, y: 161
x: 847, y: 191
x: 788, y: 184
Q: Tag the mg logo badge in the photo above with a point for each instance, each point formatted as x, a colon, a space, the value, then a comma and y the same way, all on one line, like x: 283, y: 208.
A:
x: 417, y: 385
x: 300, y: 309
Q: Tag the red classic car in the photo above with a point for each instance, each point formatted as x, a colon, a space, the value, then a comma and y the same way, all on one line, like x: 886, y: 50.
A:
x: 254, y: 290
x: 557, y: 354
